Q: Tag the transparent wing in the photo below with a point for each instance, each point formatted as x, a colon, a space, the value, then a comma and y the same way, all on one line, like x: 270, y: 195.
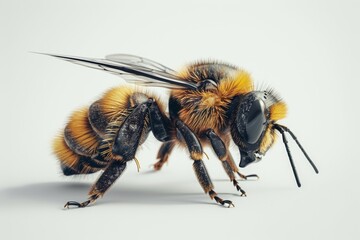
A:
x: 133, y: 69
x: 137, y: 61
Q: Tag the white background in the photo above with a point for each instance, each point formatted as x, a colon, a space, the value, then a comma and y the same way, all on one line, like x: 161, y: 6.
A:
x: 307, y: 50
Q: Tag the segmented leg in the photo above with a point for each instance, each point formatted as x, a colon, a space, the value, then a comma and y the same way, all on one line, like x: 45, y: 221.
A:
x: 223, y: 202
x: 107, y: 178
x: 163, y: 154
x: 222, y: 153
x: 161, y: 126
x: 196, y: 153
x: 233, y: 166
x: 123, y: 149
x: 163, y: 131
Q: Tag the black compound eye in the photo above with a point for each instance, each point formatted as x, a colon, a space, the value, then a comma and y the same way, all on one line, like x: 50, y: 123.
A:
x: 255, y: 121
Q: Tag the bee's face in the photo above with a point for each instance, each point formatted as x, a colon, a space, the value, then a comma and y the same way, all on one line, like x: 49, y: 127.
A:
x: 252, y: 125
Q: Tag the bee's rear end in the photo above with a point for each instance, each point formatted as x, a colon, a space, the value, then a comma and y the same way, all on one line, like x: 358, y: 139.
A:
x: 77, y: 146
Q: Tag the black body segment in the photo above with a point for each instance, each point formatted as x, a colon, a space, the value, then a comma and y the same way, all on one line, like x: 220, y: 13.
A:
x: 174, y: 108
x: 128, y: 137
x: 160, y: 124
x: 190, y: 139
x: 217, y: 144
x: 68, y: 171
x: 95, y: 162
x: 97, y: 118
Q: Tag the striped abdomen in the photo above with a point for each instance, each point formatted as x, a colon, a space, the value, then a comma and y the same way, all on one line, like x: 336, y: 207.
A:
x: 77, y: 147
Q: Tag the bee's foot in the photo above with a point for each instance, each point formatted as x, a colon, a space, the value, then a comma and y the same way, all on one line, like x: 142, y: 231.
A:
x: 158, y: 165
x: 236, y: 184
x: 225, y: 203
x: 77, y: 204
x: 228, y: 202
x: 247, y: 177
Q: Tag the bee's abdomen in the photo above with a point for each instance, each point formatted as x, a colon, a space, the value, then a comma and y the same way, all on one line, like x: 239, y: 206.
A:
x: 79, y: 134
x: 76, y: 148
x: 72, y: 163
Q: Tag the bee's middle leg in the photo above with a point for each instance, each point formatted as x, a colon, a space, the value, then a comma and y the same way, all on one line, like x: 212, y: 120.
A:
x: 196, y: 153
x: 163, y: 131
x: 163, y: 154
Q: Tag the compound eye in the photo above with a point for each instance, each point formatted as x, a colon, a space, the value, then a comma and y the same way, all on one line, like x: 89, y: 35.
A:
x: 255, y: 121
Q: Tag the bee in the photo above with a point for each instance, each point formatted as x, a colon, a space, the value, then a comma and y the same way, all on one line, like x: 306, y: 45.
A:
x: 211, y: 103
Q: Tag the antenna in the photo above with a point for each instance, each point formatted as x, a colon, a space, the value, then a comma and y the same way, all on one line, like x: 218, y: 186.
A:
x: 282, y: 130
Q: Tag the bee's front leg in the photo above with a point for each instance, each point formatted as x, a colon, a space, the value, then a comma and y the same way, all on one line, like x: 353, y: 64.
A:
x: 196, y: 153
x: 233, y: 166
x: 226, y: 159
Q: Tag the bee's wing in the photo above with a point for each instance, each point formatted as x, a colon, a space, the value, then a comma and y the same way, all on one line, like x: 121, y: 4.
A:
x: 133, y: 69
x: 137, y: 61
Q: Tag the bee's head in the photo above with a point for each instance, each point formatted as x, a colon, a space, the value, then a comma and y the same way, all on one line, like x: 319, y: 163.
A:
x: 253, y: 120
x: 253, y: 125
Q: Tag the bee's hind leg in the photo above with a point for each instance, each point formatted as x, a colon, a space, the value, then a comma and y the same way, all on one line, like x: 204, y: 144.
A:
x: 196, y: 153
x: 107, y: 178
x: 123, y: 150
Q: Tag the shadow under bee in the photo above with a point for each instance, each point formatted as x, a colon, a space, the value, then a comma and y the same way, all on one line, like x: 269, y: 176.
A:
x: 56, y: 192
